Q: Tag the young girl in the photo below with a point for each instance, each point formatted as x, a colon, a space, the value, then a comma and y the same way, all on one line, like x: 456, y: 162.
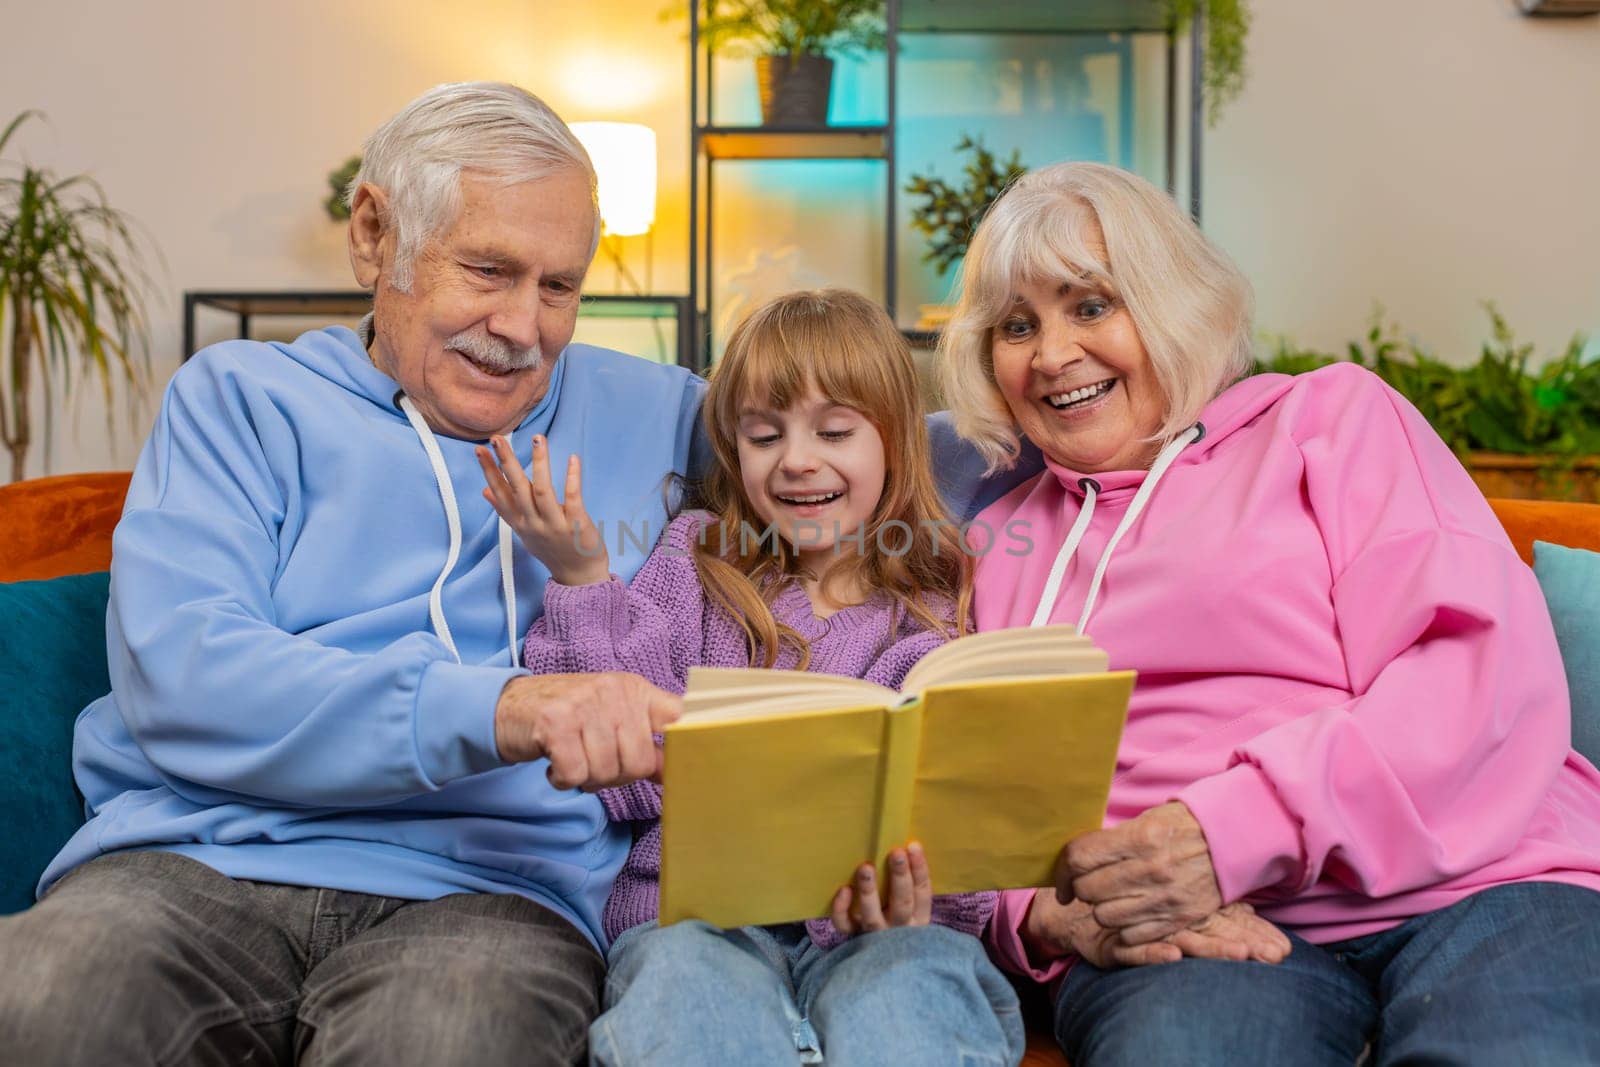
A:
x: 818, y: 435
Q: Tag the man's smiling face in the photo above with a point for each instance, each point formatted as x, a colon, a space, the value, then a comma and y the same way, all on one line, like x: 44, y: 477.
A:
x: 493, y: 302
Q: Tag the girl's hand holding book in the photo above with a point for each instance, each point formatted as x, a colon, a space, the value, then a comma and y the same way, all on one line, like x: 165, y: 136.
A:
x: 857, y: 910
x: 559, y: 533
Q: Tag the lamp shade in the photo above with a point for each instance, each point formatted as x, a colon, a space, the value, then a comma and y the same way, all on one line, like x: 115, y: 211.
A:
x: 624, y: 157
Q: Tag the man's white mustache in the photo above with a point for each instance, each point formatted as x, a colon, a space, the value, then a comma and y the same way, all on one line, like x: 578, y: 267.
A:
x: 484, y: 347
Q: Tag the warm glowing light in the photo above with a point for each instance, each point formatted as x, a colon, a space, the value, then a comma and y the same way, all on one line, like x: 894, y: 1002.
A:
x: 624, y: 155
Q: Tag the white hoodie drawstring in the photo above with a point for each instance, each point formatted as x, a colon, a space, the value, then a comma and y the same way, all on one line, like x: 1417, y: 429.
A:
x: 1069, y: 547
x: 1091, y: 488
x: 441, y: 475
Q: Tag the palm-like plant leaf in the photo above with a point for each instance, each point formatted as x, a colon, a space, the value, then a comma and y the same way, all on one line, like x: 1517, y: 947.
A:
x: 73, y: 277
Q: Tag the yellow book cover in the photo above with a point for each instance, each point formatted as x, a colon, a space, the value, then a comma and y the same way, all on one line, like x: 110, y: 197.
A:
x: 997, y: 749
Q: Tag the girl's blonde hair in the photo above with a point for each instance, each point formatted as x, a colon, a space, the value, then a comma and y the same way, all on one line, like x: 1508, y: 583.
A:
x: 844, y: 346
x: 1190, y: 305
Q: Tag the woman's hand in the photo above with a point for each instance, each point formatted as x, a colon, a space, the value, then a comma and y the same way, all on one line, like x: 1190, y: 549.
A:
x: 856, y: 909
x: 1147, y: 878
x: 1052, y: 930
x: 558, y: 533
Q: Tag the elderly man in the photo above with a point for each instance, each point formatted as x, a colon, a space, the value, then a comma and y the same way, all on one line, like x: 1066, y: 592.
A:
x: 331, y: 820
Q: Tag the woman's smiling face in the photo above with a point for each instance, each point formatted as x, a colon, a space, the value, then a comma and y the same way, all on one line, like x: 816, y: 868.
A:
x: 1077, y: 378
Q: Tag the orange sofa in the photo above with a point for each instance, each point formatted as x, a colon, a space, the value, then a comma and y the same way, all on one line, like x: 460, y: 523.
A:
x: 57, y: 526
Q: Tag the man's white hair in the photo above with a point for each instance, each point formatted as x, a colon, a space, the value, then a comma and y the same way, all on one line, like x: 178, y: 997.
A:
x: 498, y: 131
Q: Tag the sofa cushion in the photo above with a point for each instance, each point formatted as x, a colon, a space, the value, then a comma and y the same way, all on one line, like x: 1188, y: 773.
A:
x: 52, y: 664
x: 1571, y: 524
x: 60, y: 525
x: 1570, y: 578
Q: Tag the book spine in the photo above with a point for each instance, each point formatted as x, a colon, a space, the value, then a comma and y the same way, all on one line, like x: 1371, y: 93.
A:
x: 902, y: 745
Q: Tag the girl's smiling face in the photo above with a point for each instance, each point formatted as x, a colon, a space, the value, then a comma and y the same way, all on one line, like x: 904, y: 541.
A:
x: 814, y: 472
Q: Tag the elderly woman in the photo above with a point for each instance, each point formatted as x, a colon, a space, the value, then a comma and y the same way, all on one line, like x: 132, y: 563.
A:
x: 1350, y: 710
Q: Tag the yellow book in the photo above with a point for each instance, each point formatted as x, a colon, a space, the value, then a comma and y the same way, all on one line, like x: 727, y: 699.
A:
x: 997, y: 749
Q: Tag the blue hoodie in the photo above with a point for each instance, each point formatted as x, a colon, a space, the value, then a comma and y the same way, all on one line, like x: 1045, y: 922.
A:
x: 282, y: 709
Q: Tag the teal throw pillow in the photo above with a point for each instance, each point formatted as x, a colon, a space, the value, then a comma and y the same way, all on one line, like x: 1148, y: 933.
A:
x: 1570, y: 578
x: 52, y: 664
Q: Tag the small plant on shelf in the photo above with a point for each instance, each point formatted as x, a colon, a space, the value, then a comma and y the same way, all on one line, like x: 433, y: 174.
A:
x: 793, y: 42
x: 948, y: 214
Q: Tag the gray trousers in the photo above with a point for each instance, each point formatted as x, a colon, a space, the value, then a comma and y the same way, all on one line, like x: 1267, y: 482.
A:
x: 153, y: 958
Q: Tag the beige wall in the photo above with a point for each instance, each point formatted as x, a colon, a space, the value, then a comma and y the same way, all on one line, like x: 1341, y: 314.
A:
x: 1426, y: 153
x: 215, y: 123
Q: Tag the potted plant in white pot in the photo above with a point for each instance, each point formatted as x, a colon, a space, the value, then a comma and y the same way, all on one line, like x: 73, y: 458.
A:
x: 72, y: 277
x: 794, y: 42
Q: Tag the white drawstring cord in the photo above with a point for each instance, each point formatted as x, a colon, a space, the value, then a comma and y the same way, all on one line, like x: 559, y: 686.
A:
x: 1140, y: 499
x: 1058, y: 569
x: 441, y: 475
x: 508, y: 589
x: 1069, y: 548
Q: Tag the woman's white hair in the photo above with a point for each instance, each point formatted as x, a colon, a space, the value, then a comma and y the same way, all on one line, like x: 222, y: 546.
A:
x: 1190, y: 305
x: 496, y: 130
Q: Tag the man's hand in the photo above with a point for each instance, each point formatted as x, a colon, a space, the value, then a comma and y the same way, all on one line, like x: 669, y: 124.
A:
x: 1053, y: 930
x: 596, y: 729
x: 1146, y: 878
x: 857, y: 910
x: 558, y: 533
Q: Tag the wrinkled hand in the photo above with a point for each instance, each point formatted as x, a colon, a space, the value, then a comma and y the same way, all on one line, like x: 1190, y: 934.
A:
x: 597, y: 730
x: 856, y: 909
x: 1146, y: 878
x: 558, y: 533
x: 1052, y: 930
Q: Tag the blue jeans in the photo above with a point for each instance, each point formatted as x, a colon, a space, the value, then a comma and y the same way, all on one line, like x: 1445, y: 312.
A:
x: 693, y: 994
x: 1508, y: 976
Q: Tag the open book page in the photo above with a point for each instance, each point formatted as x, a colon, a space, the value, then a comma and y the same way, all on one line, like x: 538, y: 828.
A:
x: 721, y: 693
x: 1009, y: 770
x: 1017, y: 652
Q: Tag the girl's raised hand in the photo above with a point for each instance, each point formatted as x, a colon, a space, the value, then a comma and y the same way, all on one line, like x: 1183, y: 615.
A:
x: 559, y: 533
x: 856, y: 909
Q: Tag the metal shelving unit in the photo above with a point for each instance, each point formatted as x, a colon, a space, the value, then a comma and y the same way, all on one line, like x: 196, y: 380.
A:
x: 712, y: 144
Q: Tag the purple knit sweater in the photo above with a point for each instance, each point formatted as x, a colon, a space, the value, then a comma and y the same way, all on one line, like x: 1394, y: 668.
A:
x: 662, y: 625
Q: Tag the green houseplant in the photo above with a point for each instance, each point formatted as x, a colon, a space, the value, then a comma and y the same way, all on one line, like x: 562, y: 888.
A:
x: 339, y: 180
x: 793, y: 42
x: 1226, y: 24
x: 72, y: 278
x: 1521, y: 429
x: 948, y: 214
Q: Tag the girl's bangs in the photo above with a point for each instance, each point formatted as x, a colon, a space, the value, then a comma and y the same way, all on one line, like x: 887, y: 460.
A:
x: 801, y: 354
x: 772, y: 375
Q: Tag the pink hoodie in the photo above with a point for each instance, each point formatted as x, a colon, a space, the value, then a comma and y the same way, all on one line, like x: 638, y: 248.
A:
x: 1345, y: 671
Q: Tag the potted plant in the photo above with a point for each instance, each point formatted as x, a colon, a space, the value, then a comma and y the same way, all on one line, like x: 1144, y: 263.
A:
x: 1226, y: 24
x: 793, y: 42
x: 949, y: 213
x: 72, y: 278
x: 1522, y: 433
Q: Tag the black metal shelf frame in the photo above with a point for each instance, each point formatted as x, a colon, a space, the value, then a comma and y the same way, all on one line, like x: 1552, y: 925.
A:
x: 710, y: 143
x: 246, y: 304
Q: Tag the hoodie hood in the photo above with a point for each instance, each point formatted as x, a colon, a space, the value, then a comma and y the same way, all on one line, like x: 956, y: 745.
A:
x: 1235, y: 409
